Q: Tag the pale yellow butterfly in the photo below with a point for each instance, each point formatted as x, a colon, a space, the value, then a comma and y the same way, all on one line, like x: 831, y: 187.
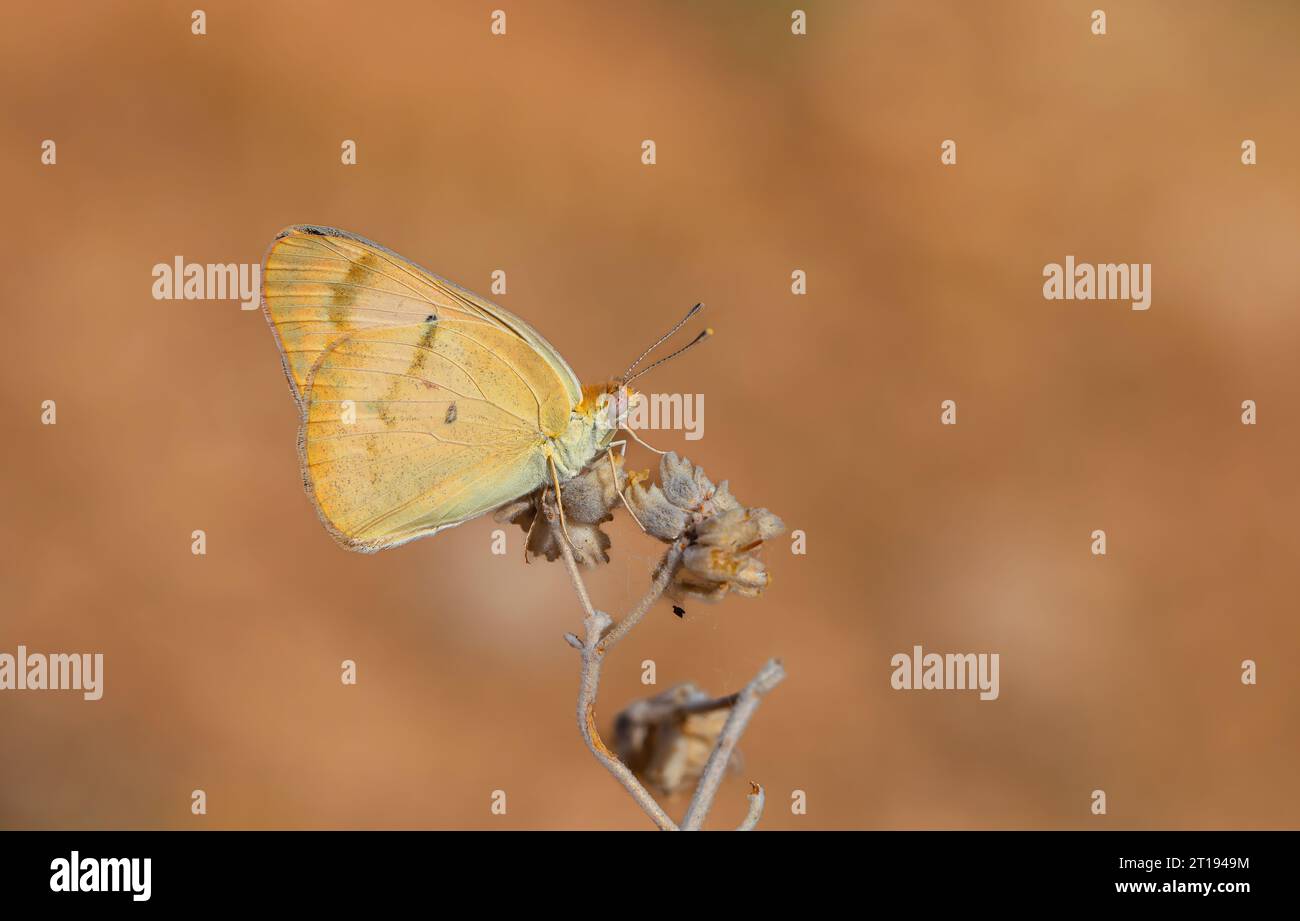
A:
x: 422, y: 404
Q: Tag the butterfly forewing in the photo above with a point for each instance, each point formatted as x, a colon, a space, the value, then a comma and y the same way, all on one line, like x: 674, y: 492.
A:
x: 319, y: 283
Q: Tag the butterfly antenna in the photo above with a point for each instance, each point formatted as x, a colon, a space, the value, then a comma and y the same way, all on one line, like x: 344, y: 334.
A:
x: 662, y: 339
x: 650, y: 367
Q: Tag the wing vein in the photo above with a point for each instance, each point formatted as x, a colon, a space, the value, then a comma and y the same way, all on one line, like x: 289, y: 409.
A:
x: 439, y: 439
x: 370, y: 523
x: 533, y: 393
x: 387, y: 259
x: 463, y: 396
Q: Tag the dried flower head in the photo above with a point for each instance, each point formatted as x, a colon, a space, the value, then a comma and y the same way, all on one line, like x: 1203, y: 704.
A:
x: 722, y: 555
x: 683, y: 497
x: 666, y: 740
x: 724, y: 537
x: 588, y: 499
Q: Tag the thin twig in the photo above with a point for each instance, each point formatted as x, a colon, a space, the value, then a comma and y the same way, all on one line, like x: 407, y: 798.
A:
x: 595, y: 624
x: 663, y: 575
x: 756, y: 799
x: 591, y: 662
x: 675, y: 702
x: 707, y: 706
x: 601, y: 636
x: 576, y: 578
x: 768, y: 677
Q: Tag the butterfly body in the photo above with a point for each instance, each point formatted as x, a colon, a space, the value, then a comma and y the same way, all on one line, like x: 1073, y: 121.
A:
x: 586, y: 436
x: 422, y: 405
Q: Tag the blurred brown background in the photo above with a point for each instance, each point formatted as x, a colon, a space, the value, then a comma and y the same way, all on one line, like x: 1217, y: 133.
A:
x: 775, y: 152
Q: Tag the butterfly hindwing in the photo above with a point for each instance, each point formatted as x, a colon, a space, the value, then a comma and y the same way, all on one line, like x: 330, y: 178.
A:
x: 395, y: 445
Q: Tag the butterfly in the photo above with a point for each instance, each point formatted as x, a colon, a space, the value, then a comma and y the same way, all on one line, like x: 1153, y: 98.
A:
x: 422, y: 404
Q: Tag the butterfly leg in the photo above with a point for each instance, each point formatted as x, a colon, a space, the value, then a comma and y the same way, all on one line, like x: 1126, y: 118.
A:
x: 614, y: 471
x: 559, y: 503
x: 532, y: 524
x: 642, y: 443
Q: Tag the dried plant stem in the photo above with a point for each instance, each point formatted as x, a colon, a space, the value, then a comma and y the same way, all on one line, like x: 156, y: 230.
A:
x: 592, y: 658
x: 601, y: 634
x: 663, y: 575
x: 768, y: 677
x: 708, y: 706
x: 756, y: 800
x: 657, y: 709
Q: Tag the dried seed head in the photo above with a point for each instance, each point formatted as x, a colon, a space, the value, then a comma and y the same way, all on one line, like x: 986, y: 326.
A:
x: 723, y: 555
x: 683, y: 498
x: 723, y: 536
x: 592, y: 495
x: 667, y: 743
x: 684, y: 484
x: 589, y: 499
x: 657, y: 515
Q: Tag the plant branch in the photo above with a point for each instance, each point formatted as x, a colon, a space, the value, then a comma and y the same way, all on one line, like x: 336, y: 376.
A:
x: 768, y: 677
x: 663, y: 575
x: 707, y: 706
x: 756, y: 800
x: 593, y: 655
x: 590, y: 683
x: 575, y: 577
x: 601, y: 635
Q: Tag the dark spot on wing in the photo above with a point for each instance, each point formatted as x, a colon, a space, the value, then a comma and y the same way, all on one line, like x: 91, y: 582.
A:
x: 359, y: 269
x: 679, y: 611
x: 422, y: 350
x: 345, y: 294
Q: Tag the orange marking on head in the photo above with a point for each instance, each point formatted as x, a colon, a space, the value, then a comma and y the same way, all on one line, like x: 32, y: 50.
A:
x: 592, y: 392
